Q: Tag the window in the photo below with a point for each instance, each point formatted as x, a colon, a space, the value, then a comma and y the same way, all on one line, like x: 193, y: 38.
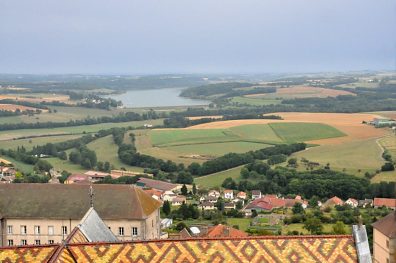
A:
x: 23, y: 230
x: 10, y: 242
x: 387, y: 243
x: 134, y: 231
x: 37, y: 230
x: 50, y: 241
x: 64, y: 230
x: 23, y: 242
x: 37, y: 242
x: 9, y: 230
x: 121, y: 231
x: 50, y: 230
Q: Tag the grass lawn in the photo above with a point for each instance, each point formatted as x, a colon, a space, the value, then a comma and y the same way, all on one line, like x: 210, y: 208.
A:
x: 243, y: 223
x: 255, y: 101
x: 300, y: 132
x: 216, y: 179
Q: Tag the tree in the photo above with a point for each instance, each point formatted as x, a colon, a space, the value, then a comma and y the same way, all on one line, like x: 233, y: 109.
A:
x: 388, y: 167
x: 298, y: 208
x: 180, y: 226
x: 106, y: 167
x: 166, y: 207
x: 313, y: 225
x: 245, y: 173
x: 42, y: 166
x: 339, y: 228
x: 194, y: 189
x: 313, y: 202
x: 292, y: 162
x: 62, y: 155
x: 184, y: 190
x: 194, y: 168
x: 254, y: 213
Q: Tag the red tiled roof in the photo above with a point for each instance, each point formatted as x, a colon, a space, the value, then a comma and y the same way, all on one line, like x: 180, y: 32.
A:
x: 334, y: 200
x: 225, y: 231
x: 388, y: 202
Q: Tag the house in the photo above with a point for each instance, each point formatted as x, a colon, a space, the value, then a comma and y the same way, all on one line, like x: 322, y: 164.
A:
x: 333, y: 202
x: 352, y: 202
x: 242, y: 195
x: 157, y: 195
x: 256, y: 194
x: 223, y: 231
x: 96, y: 176
x: 156, y: 184
x: 206, y: 206
x: 166, y: 222
x: 229, y: 206
x: 384, y: 239
x: 214, y: 193
x: 178, y: 200
x: 210, y: 199
x: 46, y: 213
x: 77, y: 179
x: 269, y: 202
x: 366, y: 203
x: 228, y: 194
x: 168, y: 196
x: 387, y: 202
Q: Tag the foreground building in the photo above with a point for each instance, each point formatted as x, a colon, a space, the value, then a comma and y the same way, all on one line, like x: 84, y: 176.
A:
x: 384, y: 244
x: 35, y: 214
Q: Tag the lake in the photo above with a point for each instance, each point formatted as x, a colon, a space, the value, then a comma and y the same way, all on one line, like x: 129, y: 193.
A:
x: 155, y: 98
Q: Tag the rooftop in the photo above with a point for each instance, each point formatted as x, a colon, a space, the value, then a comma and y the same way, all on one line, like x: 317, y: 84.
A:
x: 387, y: 225
x: 60, y: 201
x: 245, y: 249
x: 156, y: 184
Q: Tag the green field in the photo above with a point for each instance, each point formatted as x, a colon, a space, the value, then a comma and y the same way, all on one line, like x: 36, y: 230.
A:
x: 106, y: 150
x: 173, y: 144
x: 29, y: 143
x: 243, y: 223
x: 216, y: 179
x: 7, y: 135
x: 301, y: 132
x: 347, y: 156
x: 217, y: 149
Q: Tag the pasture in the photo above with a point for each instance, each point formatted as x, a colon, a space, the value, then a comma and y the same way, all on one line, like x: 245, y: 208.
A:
x: 216, y: 179
x: 255, y: 101
x: 188, y: 145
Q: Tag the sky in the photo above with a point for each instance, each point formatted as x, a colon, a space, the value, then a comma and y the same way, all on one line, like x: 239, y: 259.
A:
x: 196, y: 36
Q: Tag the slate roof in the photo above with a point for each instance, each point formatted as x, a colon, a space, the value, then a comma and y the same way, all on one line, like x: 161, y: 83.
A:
x: 94, y: 229
x: 60, y: 201
x: 246, y: 249
x: 387, y: 225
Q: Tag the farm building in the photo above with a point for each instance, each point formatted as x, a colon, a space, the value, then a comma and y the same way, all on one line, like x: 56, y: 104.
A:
x: 383, y: 122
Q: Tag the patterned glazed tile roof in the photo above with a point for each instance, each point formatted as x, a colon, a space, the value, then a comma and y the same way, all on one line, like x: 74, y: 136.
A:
x: 248, y: 249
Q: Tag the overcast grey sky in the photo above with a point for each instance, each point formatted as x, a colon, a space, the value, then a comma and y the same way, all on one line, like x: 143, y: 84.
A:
x: 193, y: 36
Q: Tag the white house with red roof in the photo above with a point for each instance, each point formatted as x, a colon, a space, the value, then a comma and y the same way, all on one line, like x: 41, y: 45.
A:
x: 352, y: 202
